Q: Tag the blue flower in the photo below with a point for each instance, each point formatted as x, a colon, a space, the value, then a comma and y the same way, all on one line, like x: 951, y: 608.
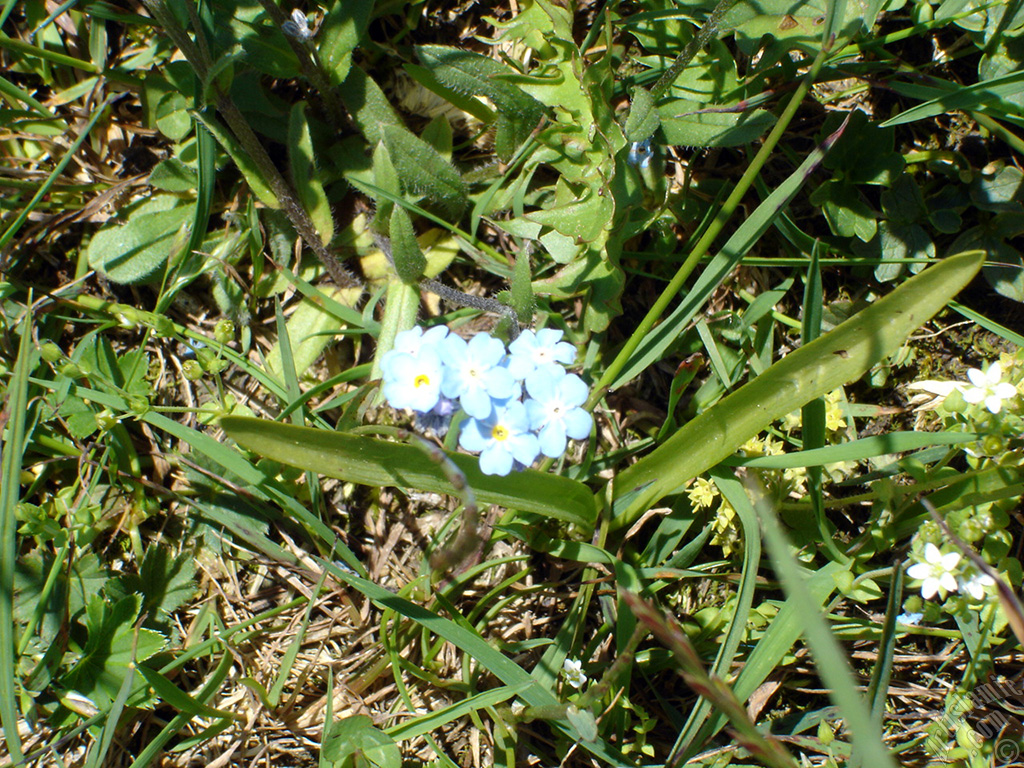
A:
x: 501, y: 438
x: 413, y: 381
x: 534, y: 350
x: 554, y: 409
x: 474, y: 374
x: 641, y: 153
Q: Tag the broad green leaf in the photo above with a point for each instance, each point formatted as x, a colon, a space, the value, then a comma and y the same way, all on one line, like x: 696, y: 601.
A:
x: 473, y: 74
x: 109, y: 648
x: 376, y: 462
x: 643, y: 119
x: 401, y: 308
x: 172, y: 175
x: 406, y: 255
x: 683, y: 123
x: 339, y: 35
x: 302, y: 165
x: 368, y: 106
x: 422, y: 170
x: 137, y: 250
x: 355, y: 741
x: 172, y: 117
x: 814, y: 369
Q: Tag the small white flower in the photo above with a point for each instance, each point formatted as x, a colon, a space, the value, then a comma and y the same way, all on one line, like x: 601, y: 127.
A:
x: 989, y: 387
x: 936, y: 572
x: 975, y: 584
x: 572, y: 669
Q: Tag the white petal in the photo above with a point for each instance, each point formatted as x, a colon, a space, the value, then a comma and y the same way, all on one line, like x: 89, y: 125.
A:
x: 977, y: 378
x: 947, y: 582
x: 919, y: 571
x: 932, y: 553
x: 950, y: 560
x: 929, y: 588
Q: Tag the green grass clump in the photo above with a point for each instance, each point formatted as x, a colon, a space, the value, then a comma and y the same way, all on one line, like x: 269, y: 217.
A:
x: 783, y: 241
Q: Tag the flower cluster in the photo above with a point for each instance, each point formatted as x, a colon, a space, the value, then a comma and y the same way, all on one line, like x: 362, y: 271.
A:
x: 939, y: 574
x: 433, y: 372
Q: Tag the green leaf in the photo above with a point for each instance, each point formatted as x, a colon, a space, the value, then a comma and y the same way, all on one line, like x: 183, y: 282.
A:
x: 302, y: 165
x: 376, y: 462
x: 422, y: 169
x: 473, y: 74
x: 354, y: 742
x: 643, y: 119
x: 683, y: 123
x: 368, y: 106
x: 241, y: 159
x: 109, y: 648
x: 166, y: 583
x: 137, y: 250
x: 994, y: 94
x: 172, y: 175
x: 408, y: 259
x: 814, y: 369
x: 172, y: 117
x: 310, y: 330
x: 342, y: 29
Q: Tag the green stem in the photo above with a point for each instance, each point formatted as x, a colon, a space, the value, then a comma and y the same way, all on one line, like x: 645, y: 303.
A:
x: 704, y: 244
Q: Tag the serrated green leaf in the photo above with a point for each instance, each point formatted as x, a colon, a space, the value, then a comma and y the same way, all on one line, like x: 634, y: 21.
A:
x: 137, y: 250
x: 109, y: 648
x: 302, y: 165
x: 643, y: 119
x: 683, y: 124
x: 371, y: 461
x: 406, y: 255
x: 423, y: 171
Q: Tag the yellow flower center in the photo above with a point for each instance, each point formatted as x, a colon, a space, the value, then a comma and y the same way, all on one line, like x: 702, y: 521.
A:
x: 499, y: 432
x: 421, y: 381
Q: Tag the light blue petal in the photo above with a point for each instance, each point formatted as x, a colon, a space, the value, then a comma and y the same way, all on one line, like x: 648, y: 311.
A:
x: 476, y: 402
x: 577, y: 424
x: 495, y: 460
x: 435, y: 335
x: 500, y: 384
x: 524, y: 448
x: 513, y: 416
x: 541, y: 383
x: 474, y: 435
x: 524, y: 344
x: 536, y: 414
x: 552, y: 440
x: 572, y: 390
x: 486, y: 350
x: 520, y: 366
